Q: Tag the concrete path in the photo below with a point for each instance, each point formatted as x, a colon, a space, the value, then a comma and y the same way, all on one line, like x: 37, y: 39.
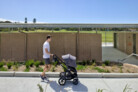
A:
x: 25, y: 84
x: 112, y: 54
x: 104, y: 44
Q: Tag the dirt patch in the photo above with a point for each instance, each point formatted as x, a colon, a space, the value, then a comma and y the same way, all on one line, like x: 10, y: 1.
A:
x: 125, y: 68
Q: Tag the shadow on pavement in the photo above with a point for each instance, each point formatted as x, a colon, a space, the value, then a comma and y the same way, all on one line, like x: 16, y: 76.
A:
x: 69, y: 86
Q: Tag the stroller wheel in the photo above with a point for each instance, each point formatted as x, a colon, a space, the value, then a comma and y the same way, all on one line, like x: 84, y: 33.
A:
x: 62, y: 81
x: 75, y: 81
x: 61, y: 74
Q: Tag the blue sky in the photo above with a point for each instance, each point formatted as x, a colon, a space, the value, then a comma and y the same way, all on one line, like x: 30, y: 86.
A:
x: 70, y: 11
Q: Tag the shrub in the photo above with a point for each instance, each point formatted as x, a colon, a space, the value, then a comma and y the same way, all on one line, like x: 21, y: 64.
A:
x: 30, y: 63
x: 83, y: 62
x: 128, y: 71
x: 80, y: 67
x: 27, y: 70
x: 107, y: 62
x: 94, y: 64
x: 55, y: 63
x: 103, y: 65
x: 91, y: 67
x: 4, y: 61
x: 9, y: 65
x: 15, y: 68
x: 1, y: 64
x: 42, y: 62
x: 88, y: 62
x: 53, y: 69
x: 21, y: 63
x: 37, y: 63
x: 107, y: 71
x: 120, y: 64
x: 16, y: 64
x: 3, y: 69
x: 101, y: 70
x: 27, y: 65
x: 77, y: 62
x: 121, y: 69
x: 93, y: 60
x: 39, y: 69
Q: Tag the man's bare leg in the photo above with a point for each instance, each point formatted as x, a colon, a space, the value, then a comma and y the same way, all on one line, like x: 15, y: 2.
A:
x: 49, y: 67
x: 45, y: 69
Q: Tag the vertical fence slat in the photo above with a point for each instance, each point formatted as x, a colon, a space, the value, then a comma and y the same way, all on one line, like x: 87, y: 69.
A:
x: 137, y: 43
x: 0, y: 46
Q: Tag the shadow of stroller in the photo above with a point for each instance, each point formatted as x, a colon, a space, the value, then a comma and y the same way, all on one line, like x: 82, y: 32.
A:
x: 68, y: 87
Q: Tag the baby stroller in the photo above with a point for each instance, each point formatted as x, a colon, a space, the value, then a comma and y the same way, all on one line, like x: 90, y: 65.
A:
x: 68, y: 65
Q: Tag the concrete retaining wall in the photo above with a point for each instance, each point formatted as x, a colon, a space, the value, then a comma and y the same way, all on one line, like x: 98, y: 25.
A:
x: 24, y: 46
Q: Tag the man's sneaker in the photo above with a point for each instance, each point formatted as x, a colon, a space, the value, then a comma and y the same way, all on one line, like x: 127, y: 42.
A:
x: 42, y: 77
x: 46, y: 79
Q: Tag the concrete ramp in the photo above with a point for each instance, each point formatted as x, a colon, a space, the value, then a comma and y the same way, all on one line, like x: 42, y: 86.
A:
x: 113, y: 54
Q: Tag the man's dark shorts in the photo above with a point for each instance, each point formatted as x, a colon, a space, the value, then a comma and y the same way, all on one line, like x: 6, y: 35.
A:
x: 47, y: 61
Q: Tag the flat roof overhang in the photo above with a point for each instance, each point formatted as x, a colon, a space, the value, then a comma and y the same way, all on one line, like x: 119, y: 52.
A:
x: 65, y: 25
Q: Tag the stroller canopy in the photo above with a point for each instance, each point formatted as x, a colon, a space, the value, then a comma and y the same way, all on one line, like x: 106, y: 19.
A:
x: 69, y: 60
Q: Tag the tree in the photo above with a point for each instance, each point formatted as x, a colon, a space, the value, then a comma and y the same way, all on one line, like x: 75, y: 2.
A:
x: 5, y: 21
x: 34, y: 20
x: 25, y: 20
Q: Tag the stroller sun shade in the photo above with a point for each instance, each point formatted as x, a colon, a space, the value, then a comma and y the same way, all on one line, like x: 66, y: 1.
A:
x: 69, y: 60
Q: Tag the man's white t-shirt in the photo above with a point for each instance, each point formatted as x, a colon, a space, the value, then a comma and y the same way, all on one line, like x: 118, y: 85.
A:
x: 46, y: 45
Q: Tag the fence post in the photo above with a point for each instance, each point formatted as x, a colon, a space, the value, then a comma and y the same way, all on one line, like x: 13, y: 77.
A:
x: 0, y: 46
x: 115, y: 40
x: 25, y: 46
x: 134, y: 43
x: 96, y: 30
x: 105, y: 37
x: 77, y: 43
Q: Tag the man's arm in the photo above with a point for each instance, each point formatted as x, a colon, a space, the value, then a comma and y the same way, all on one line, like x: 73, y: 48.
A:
x: 46, y: 50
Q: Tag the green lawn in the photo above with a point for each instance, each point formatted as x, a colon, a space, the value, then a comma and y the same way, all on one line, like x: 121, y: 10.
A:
x: 108, y: 37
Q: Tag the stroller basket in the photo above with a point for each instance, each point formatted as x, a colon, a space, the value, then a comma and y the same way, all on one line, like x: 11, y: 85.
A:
x: 69, y: 60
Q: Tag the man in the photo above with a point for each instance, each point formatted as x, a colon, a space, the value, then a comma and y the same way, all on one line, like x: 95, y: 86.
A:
x: 46, y: 57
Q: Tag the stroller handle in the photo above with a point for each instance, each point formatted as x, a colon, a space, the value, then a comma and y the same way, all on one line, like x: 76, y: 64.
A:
x: 59, y: 59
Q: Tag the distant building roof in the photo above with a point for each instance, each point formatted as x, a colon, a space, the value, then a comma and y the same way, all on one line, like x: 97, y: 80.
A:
x: 65, y: 25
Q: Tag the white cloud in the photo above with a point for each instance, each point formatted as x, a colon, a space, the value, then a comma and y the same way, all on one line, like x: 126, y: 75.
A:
x: 2, y: 19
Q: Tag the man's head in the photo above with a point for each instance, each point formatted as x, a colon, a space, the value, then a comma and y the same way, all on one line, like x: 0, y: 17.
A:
x: 48, y: 38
